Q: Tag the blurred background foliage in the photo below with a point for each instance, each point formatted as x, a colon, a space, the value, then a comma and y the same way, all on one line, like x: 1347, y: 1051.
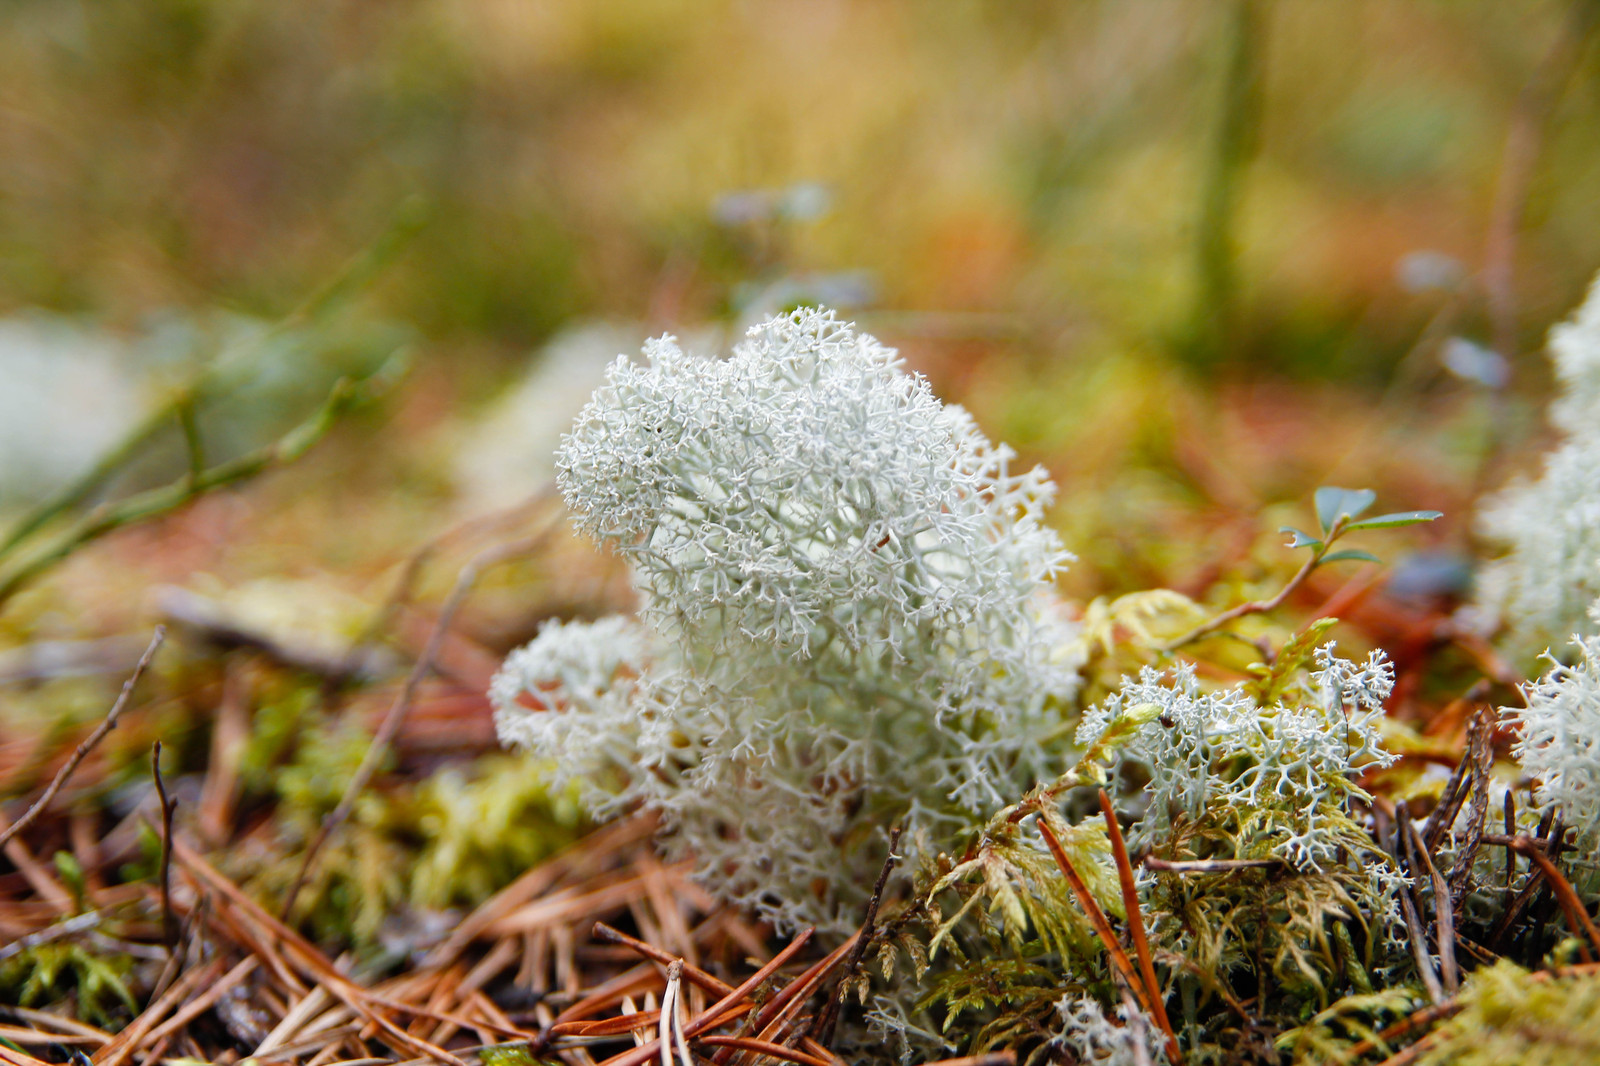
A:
x: 1196, y: 256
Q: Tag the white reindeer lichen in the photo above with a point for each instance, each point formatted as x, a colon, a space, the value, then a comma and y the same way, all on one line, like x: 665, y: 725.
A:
x: 846, y: 616
x: 1559, y: 748
x: 1285, y: 769
x: 1543, y: 585
x: 1095, y: 1040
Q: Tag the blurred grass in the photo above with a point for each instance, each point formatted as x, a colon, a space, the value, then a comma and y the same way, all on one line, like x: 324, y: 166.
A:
x: 1044, y: 160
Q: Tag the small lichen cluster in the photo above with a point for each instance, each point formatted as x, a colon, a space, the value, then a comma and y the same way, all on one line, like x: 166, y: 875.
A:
x: 1097, y: 1041
x: 846, y: 616
x: 1282, y: 771
x: 1260, y: 771
x: 1551, y: 573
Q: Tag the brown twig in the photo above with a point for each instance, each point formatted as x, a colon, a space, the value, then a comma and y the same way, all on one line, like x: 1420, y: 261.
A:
x: 731, y: 1004
x: 762, y: 1047
x: 1130, y: 905
x: 1480, y: 749
x: 597, y: 847
x: 311, y: 961
x: 390, y: 727
x: 1252, y: 606
x: 169, y: 929
x: 411, y: 571
x: 126, y: 1042
x: 106, y: 725
x: 1428, y: 1015
x: 1510, y: 809
x: 1458, y: 787
x: 783, y: 1006
x: 823, y: 1025
x: 205, y: 1000
x: 1410, y: 1023
x: 1408, y: 910
x: 1209, y: 866
x: 607, y: 935
x: 80, y: 923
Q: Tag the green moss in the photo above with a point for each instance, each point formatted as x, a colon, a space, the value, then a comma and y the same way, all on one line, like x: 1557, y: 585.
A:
x: 50, y: 972
x: 1513, y: 1016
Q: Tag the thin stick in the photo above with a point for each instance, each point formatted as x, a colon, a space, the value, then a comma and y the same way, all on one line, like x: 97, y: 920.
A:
x: 825, y: 1021
x: 1209, y: 866
x: 169, y: 929
x: 1400, y: 846
x: 1480, y: 748
x: 89, y: 742
x: 205, y: 1001
x: 1130, y: 904
x: 1456, y: 789
x: 405, y: 583
x: 312, y: 961
x: 626, y: 1023
x: 1411, y: 1022
x: 1510, y: 809
x: 390, y: 727
x: 669, y: 1010
x: 19, y: 1058
x: 1252, y: 607
x: 726, y: 1009
x: 1444, y: 926
x: 126, y: 1042
x: 607, y: 935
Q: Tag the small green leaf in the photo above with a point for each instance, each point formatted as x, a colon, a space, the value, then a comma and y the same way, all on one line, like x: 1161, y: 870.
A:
x: 1333, y: 503
x: 1351, y: 554
x: 71, y: 874
x: 1392, y: 521
x: 1299, y: 539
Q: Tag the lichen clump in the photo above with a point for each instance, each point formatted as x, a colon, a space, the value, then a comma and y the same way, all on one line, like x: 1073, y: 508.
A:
x: 1279, y: 772
x: 846, y: 616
